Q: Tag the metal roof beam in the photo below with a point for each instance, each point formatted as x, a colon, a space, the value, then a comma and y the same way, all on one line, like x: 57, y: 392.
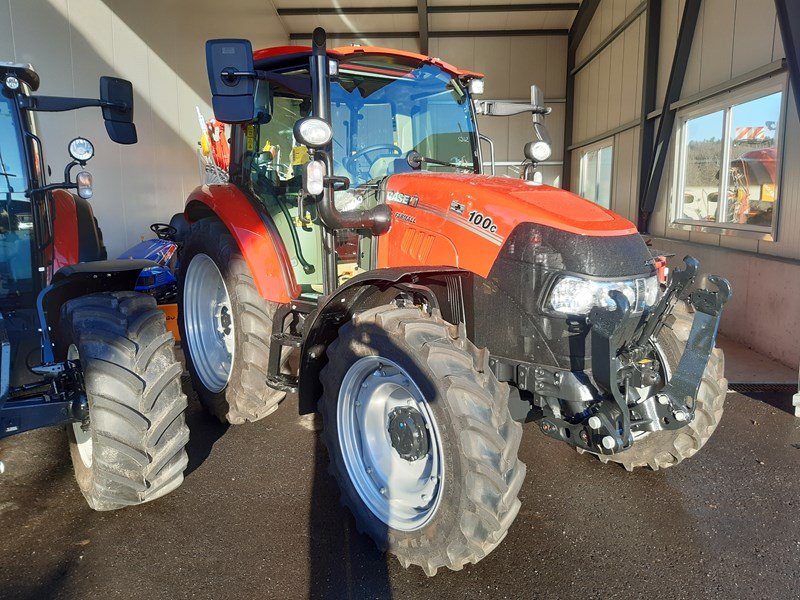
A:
x: 351, y: 35
x: 379, y: 10
x: 477, y: 8
x: 346, y: 10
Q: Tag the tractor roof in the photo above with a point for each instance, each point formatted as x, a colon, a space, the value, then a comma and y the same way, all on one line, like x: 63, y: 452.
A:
x: 286, y: 56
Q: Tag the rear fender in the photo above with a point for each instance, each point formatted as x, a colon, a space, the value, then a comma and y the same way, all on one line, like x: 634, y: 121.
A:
x: 76, y: 236
x: 80, y: 280
x: 447, y: 289
x: 255, y: 234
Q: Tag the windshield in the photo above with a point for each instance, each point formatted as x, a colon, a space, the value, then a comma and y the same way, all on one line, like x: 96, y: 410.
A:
x: 16, y: 222
x: 380, y: 111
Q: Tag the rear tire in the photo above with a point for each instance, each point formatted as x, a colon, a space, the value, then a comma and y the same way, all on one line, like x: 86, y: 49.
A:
x: 664, y: 449
x: 242, y: 394
x: 477, y: 440
x: 134, y: 449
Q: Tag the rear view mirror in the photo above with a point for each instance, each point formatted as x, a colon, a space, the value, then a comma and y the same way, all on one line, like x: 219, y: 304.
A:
x: 117, y: 97
x: 232, y: 78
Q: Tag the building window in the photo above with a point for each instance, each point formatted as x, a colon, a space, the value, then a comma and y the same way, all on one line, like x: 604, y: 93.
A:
x: 595, y: 174
x: 728, y: 157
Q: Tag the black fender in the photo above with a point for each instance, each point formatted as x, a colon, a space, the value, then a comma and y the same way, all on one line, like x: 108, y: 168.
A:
x: 80, y: 280
x: 448, y: 289
x: 90, y: 238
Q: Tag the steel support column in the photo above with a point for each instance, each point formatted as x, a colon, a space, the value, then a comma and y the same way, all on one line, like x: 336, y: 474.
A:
x: 576, y: 33
x: 652, y: 42
x: 422, y: 16
x: 789, y: 22
x: 666, y: 125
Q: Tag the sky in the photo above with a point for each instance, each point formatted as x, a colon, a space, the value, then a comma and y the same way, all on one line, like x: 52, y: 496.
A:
x: 754, y: 113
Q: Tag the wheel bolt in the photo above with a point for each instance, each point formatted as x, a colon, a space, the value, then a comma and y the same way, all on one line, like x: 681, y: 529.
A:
x: 680, y: 415
x: 608, y: 442
x: 369, y: 470
x: 383, y: 491
x: 424, y: 497
x: 663, y: 400
x: 594, y: 422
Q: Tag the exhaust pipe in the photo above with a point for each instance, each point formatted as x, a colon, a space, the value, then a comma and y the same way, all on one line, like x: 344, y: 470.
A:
x: 378, y: 219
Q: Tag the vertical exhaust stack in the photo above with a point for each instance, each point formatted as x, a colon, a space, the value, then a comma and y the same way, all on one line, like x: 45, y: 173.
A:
x: 378, y: 219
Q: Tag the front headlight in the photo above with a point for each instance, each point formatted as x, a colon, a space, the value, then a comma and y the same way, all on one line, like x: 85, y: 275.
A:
x: 577, y: 296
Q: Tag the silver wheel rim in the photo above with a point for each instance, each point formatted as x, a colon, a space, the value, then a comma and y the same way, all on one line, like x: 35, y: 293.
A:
x: 83, y: 437
x: 208, y: 322
x: 403, y: 494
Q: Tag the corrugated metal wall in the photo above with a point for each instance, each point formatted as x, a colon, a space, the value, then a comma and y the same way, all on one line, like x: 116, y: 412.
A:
x: 608, y: 97
x: 159, y: 46
x: 732, y: 38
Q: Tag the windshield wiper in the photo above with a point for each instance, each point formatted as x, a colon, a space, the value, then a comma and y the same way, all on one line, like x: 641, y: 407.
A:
x: 416, y: 160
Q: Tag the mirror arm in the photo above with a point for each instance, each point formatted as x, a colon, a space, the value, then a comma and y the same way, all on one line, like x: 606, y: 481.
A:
x: 493, y: 108
x: 55, y: 103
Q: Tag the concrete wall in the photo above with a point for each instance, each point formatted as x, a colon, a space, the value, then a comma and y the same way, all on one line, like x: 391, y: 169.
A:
x: 159, y: 46
x: 510, y: 64
x: 732, y: 38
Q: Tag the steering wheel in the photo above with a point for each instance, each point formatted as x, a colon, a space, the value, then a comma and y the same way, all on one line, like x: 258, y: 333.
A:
x: 164, y: 231
x: 389, y: 149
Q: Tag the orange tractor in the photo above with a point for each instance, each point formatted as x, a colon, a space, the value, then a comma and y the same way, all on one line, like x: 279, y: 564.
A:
x: 434, y: 308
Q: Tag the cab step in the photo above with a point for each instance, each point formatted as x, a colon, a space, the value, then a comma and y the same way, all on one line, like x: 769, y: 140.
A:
x: 283, y: 382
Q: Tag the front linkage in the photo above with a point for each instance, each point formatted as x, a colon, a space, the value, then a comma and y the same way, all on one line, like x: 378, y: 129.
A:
x: 623, y: 363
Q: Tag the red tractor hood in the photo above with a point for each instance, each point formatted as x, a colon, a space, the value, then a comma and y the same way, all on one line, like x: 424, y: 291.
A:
x: 463, y: 220
x: 508, y: 202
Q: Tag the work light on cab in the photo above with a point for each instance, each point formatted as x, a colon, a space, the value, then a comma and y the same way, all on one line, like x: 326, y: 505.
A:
x: 312, y: 132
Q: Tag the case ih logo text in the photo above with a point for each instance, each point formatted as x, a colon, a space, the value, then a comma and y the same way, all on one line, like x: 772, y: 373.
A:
x: 400, y: 198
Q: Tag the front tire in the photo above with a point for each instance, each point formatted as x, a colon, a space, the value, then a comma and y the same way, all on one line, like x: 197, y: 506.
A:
x: 133, y: 450
x: 445, y: 494
x: 225, y: 325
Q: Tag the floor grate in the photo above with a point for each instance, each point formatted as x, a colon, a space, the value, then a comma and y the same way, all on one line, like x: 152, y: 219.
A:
x: 780, y: 388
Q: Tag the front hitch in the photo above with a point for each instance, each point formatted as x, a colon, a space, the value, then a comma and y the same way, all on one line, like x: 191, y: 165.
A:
x: 619, y: 339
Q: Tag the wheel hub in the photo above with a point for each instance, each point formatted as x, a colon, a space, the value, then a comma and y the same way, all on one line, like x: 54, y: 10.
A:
x: 390, y: 443
x: 408, y: 433
x: 224, y: 319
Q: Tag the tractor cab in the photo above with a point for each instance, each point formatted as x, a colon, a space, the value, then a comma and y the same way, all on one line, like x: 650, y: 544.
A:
x: 343, y: 121
x: 30, y: 253
x: 383, y: 108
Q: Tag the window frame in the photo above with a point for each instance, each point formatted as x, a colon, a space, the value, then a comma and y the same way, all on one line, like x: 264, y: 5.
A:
x: 583, y: 152
x: 725, y: 102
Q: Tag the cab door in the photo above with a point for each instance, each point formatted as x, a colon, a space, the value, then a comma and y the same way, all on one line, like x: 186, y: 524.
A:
x: 273, y: 173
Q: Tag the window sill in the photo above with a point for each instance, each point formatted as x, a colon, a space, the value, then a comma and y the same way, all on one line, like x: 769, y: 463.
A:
x: 766, y: 234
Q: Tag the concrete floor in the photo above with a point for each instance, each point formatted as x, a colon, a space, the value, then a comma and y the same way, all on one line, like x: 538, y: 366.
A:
x: 744, y: 365
x: 258, y: 517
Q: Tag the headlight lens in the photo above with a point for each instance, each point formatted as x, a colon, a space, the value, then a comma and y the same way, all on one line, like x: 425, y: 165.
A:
x: 313, y: 132
x: 577, y: 296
